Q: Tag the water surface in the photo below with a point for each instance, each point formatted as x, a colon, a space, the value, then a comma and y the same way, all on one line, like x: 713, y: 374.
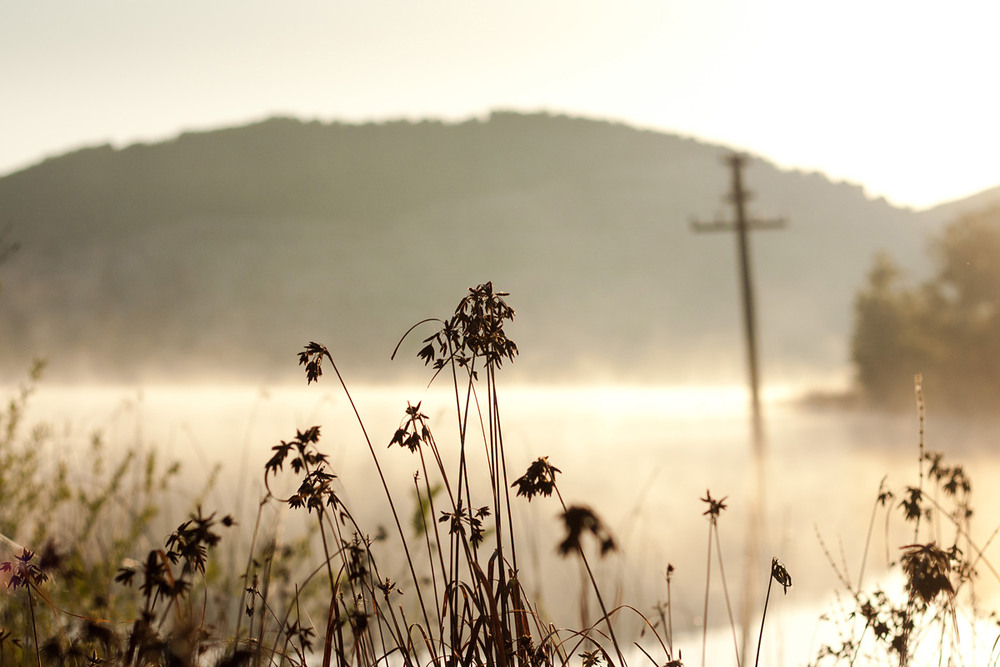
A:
x: 643, y: 458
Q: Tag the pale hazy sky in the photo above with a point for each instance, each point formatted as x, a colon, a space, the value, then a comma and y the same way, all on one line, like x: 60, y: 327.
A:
x: 898, y: 96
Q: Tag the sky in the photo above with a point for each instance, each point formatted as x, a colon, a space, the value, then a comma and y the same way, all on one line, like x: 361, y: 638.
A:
x: 899, y: 97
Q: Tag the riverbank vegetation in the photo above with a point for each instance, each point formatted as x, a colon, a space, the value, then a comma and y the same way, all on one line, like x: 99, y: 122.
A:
x: 946, y: 327
x: 88, y: 582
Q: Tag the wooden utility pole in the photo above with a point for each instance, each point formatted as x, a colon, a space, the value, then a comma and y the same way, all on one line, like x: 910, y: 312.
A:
x: 738, y: 196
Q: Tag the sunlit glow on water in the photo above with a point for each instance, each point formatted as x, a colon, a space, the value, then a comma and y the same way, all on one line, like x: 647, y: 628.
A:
x: 686, y: 402
x: 677, y: 401
x: 225, y: 416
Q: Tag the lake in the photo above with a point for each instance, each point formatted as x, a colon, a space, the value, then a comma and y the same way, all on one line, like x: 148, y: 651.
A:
x: 641, y: 457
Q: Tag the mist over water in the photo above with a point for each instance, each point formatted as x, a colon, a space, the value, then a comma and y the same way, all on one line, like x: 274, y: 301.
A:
x: 642, y: 458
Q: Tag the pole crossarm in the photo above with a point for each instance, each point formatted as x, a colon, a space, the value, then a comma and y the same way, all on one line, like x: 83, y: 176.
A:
x: 728, y: 226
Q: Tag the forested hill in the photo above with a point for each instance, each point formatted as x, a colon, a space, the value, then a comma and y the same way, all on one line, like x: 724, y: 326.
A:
x: 223, y: 252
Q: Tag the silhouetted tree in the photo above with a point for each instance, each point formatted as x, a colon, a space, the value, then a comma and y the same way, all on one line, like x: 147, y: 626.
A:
x: 947, y: 328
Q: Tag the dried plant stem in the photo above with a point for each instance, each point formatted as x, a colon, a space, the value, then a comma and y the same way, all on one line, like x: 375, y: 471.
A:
x: 918, y: 391
x: 708, y: 583
x: 868, y: 535
x: 243, y: 595
x: 427, y: 535
x: 760, y: 637
x: 597, y: 591
x: 34, y: 627
x: 385, y: 487
x: 670, y: 617
x: 725, y: 592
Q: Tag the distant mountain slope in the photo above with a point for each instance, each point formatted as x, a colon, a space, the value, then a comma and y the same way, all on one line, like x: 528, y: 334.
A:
x: 980, y: 201
x: 223, y: 252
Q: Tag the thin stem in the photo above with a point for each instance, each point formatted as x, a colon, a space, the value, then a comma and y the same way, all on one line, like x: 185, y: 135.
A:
x: 427, y: 535
x: 918, y: 391
x: 670, y: 618
x: 327, y: 639
x: 246, y: 576
x: 760, y: 637
x: 708, y: 582
x: 34, y: 628
x: 604, y: 609
x: 725, y: 591
x: 506, y: 481
x: 385, y: 486
x: 868, y: 536
x: 597, y: 591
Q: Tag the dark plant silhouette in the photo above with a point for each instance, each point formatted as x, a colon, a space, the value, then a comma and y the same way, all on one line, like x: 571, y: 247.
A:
x: 895, y: 626
x: 539, y: 480
x: 780, y: 575
x: 579, y: 521
x: 445, y: 587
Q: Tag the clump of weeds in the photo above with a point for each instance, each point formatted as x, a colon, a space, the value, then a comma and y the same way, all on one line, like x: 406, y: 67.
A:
x: 460, y: 598
x: 933, y: 615
x: 443, y: 585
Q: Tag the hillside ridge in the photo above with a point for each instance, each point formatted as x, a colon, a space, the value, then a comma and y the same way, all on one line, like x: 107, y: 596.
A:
x: 219, y: 253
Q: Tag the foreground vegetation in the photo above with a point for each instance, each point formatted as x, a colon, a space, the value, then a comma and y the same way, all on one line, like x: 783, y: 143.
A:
x: 85, y: 587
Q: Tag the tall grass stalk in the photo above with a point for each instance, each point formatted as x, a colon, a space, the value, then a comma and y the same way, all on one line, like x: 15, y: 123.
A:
x: 779, y: 574
x: 715, y: 508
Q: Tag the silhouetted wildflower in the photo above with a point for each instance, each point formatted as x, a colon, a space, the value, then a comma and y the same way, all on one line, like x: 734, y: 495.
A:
x: 580, y: 520
x: 414, y: 431
x: 927, y: 567
x: 475, y: 331
x: 780, y: 574
x: 540, y: 479
x: 312, y: 358
x: 911, y: 503
x: 23, y: 571
x: 459, y: 518
x: 715, y: 507
x: 192, y: 540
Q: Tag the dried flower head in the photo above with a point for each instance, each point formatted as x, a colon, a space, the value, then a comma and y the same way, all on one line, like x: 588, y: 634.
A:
x: 715, y: 507
x: 912, y: 508
x: 780, y: 574
x: 312, y: 358
x: 580, y: 520
x: 540, y: 479
x: 474, y: 519
x: 475, y: 331
x: 927, y: 567
x: 193, y: 538
x: 413, y: 431
x: 23, y: 572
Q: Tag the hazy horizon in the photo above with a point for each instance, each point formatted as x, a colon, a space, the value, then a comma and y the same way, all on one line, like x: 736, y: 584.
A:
x: 891, y: 97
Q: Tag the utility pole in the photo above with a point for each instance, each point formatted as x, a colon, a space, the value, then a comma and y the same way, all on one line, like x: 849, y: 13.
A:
x: 738, y: 197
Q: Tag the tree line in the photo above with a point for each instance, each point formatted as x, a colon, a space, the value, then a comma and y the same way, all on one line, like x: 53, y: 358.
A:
x: 946, y: 328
